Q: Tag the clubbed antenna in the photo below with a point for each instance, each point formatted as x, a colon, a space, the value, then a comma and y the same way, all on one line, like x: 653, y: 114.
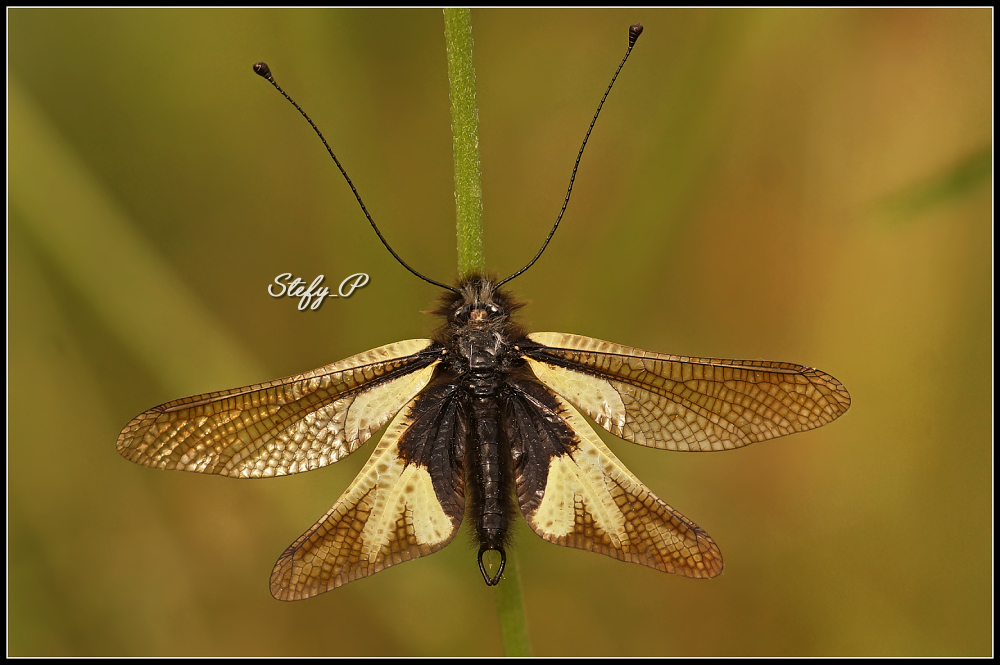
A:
x: 633, y: 34
x: 264, y: 71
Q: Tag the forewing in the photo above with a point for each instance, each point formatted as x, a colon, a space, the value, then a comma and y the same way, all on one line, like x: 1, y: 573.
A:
x: 407, y: 502
x: 294, y: 424
x: 680, y: 402
x: 573, y: 491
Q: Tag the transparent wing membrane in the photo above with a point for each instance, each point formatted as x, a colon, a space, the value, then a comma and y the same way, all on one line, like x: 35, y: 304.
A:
x: 680, y: 402
x: 294, y: 424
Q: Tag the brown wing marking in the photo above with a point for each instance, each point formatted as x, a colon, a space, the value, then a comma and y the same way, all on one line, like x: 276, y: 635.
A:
x: 587, y: 499
x: 394, y: 511
x: 290, y: 425
x: 680, y: 402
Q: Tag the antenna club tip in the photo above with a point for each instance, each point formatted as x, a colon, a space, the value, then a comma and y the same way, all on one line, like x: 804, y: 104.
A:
x: 633, y: 33
x: 263, y: 70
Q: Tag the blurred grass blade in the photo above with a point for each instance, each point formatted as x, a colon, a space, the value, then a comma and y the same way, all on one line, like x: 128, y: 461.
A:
x: 946, y: 187
x: 133, y: 289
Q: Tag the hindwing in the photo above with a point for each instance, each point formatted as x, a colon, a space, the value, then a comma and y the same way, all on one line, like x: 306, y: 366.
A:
x: 290, y: 425
x: 407, y: 502
x: 681, y: 402
x: 573, y: 491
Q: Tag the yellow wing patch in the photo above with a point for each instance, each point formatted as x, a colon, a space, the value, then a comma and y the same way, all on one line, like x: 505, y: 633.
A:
x: 595, y: 395
x: 389, y: 514
x: 592, y: 502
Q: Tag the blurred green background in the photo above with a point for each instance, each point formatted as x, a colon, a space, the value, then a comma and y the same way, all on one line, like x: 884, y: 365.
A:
x: 808, y: 185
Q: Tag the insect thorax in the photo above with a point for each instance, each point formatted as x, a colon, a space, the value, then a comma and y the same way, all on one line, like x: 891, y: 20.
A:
x: 479, y: 333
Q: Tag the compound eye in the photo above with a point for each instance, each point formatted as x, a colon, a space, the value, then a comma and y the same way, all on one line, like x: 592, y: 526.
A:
x: 462, y: 313
x: 494, y: 310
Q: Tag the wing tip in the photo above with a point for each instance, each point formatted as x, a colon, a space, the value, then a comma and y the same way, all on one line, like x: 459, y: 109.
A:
x: 711, y: 559
x: 283, y: 584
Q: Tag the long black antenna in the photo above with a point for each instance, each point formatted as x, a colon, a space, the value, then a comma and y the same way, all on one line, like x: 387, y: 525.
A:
x: 264, y: 71
x: 633, y: 34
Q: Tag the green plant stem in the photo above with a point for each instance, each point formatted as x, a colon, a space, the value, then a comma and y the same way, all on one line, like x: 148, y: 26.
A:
x: 465, y: 141
x: 510, y: 610
x: 469, y: 230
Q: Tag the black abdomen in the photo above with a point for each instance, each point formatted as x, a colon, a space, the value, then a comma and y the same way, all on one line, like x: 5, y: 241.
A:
x: 489, y: 482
